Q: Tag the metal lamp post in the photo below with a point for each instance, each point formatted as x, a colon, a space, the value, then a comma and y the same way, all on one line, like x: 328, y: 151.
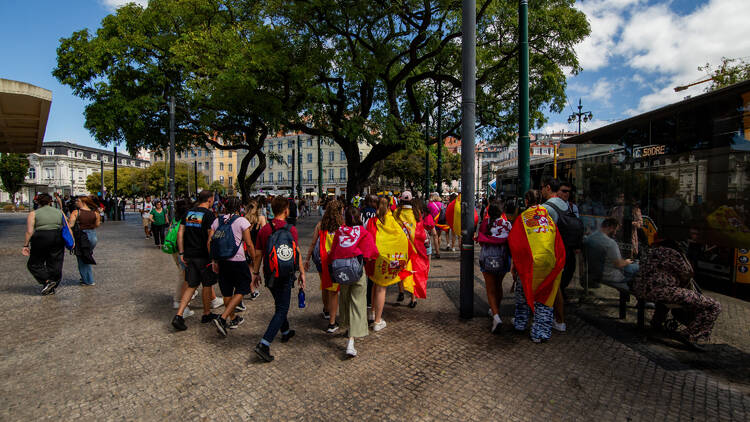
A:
x: 585, y: 115
x: 523, y: 98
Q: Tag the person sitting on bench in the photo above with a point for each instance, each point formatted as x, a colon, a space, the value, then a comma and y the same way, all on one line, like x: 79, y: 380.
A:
x: 604, y: 257
x: 667, y: 279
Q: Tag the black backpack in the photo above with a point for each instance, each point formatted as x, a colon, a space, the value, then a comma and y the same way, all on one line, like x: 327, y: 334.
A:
x: 223, y: 245
x: 281, y: 257
x: 441, y: 216
x: 570, y: 226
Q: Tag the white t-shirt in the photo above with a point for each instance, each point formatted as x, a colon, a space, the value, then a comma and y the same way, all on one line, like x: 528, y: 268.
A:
x: 147, y: 207
x: 240, y: 225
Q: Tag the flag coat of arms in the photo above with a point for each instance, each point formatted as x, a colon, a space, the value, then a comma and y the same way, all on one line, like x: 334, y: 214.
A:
x: 393, y: 251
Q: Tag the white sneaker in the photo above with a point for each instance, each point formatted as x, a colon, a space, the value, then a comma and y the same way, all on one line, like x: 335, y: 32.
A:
x: 195, y: 293
x: 351, y: 351
x: 559, y: 326
x: 379, y: 325
x: 188, y: 312
x: 217, y: 302
x: 175, y: 304
x: 497, y: 324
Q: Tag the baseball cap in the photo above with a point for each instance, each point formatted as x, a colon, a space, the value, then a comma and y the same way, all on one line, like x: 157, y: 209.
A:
x: 406, y: 196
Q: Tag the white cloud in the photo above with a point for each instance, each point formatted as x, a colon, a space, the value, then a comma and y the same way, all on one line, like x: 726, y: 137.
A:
x: 114, y: 4
x: 606, y: 18
x: 601, y: 91
x: 557, y: 127
x: 670, y: 46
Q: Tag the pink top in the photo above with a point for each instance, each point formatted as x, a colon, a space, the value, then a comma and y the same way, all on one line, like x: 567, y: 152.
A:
x: 434, y: 208
x: 350, y: 242
x: 238, y: 226
x: 498, y: 232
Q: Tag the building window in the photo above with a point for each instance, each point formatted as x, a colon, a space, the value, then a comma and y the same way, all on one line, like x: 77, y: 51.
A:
x: 342, y: 173
x: 49, y: 173
x: 309, y: 142
x: 289, y: 175
x: 289, y: 159
x: 80, y: 174
x: 179, y: 155
x: 106, y: 159
x: 270, y: 146
x: 50, y: 151
x: 192, y: 154
x: 361, y: 157
x: 270, y: 177
x: 229, y: 154
x: 71, y: 153
x: 132, y: 162
x: 331, y: 156
x: 262, y: 178
x: 309, y: 175
x: 221, y: 166
x: 330, y: 174
x: 221, y: 179
x: 309, y: 157
x: 281, y: 145
x: 290, y: 144
x: 200, y: 153
x: 93, y: 156
x: 200, y: 166
x: 342, y: 156
x: 206, y: 165
x: 79, y: 154
x: 280, y: 176
x: 230, y: 180
x: 229, y: 166
x: 221, y: 153
x: 32, y: 173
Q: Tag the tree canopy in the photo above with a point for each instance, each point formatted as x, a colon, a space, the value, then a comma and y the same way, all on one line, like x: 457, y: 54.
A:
x: 13, y: 170
x: 132, y: 182
x: 729, y: 72
x: 354, y: 71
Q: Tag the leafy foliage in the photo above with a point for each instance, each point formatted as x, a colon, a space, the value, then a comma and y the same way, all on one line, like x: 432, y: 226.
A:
x: 13, y: 170
x: 132, y: 182
x: 729, y: 72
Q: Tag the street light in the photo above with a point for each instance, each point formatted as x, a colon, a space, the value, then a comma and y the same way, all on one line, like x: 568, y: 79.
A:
x: 581, y: 115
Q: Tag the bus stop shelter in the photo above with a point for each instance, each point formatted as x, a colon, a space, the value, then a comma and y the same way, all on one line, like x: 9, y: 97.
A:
x: 24, y: 110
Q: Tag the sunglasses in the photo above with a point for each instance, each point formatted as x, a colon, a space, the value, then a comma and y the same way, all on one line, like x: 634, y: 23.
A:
x: 565, y: 190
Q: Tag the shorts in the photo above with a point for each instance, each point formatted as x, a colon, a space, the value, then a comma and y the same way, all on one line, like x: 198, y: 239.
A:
x: 199, y: 272
x: 234, y: 278
x: 146, y: 222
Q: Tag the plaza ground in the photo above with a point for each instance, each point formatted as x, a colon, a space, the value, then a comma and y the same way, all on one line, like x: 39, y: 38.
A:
x: 108, y: 352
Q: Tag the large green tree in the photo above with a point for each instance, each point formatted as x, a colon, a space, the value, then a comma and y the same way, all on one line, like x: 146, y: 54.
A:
x: 13, y: 170
x: 384, y: 59
x: 234, y: 77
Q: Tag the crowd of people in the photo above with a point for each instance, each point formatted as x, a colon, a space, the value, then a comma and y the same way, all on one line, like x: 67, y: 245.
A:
x: 361, y: 246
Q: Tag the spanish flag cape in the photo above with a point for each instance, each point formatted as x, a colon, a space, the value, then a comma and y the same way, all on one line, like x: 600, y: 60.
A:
x: 393, y: 251
x: 453, y: 216
x: 418, y: 265
x: 325, y: 241
x: 538, y: 255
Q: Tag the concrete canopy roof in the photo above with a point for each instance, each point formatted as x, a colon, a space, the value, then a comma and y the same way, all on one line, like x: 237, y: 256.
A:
x: 24, y: 109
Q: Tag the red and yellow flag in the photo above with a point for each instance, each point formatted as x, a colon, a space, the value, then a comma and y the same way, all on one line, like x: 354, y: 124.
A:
x: 453, y: 216
x: 393, y: 248
x: 417, y: 268
x: 538, y: 255
x: 325, y: 243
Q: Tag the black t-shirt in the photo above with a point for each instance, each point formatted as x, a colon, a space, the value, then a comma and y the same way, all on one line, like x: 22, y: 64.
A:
x: 197, y: 222
x: 292, y: 209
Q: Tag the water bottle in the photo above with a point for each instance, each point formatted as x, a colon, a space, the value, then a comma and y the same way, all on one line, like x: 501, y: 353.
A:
x: 301, y: 298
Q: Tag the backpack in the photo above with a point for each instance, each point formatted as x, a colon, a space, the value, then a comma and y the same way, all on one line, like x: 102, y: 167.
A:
x: 170, y: 240
x: 223, y: 245
x: 346, y: 270
x: 494, y: 258
x: 441, y: 216
x: 280, y: 263
x: 570, y: 226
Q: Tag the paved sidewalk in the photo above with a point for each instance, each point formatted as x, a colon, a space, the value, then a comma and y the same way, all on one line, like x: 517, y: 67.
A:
x: 108, y: 352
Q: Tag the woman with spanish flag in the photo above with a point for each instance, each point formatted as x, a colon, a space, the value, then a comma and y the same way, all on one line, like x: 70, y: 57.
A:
x: 333, y: 218
x: 494, y: 259
x: 393, y: 254
x: 417, y: 268
x: 538, y: 259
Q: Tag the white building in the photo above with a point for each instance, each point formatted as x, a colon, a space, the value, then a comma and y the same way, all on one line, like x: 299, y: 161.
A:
x: 64, y: 166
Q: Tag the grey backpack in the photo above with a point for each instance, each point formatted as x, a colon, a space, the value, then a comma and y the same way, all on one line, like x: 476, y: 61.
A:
x: 346, y: 270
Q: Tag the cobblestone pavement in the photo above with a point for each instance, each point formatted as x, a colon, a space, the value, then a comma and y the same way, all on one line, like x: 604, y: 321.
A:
x: 108, y: 352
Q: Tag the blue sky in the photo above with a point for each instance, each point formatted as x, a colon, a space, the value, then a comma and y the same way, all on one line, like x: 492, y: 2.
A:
x: 639, y: 50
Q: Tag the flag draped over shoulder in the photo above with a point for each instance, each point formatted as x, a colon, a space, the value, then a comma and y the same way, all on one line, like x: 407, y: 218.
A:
x: 393, y: 251
x: 453, y: 215
x: 325, y: 243
x: 417, y: 268
x: 538, y: 255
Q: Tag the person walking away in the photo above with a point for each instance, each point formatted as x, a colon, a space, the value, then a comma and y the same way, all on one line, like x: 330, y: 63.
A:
x: 292, y: 219
x: 192, y: 243
x: 352, y: 245
x: 277, y: 250
x: 256, y: 221
x: 494, y: 258
x: 234, y: 274
x: 320, y: 247
x: 417, y: 265
x: 88, y: 219
x: 538, y: 259
x: 181, y: 208
x: 571, y: 229
x: 44, y: 245
x: 668, y: 278
x: 434, y: 208
x: 393, y: 250
x: 368, y: 212
x: 159, y: 223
